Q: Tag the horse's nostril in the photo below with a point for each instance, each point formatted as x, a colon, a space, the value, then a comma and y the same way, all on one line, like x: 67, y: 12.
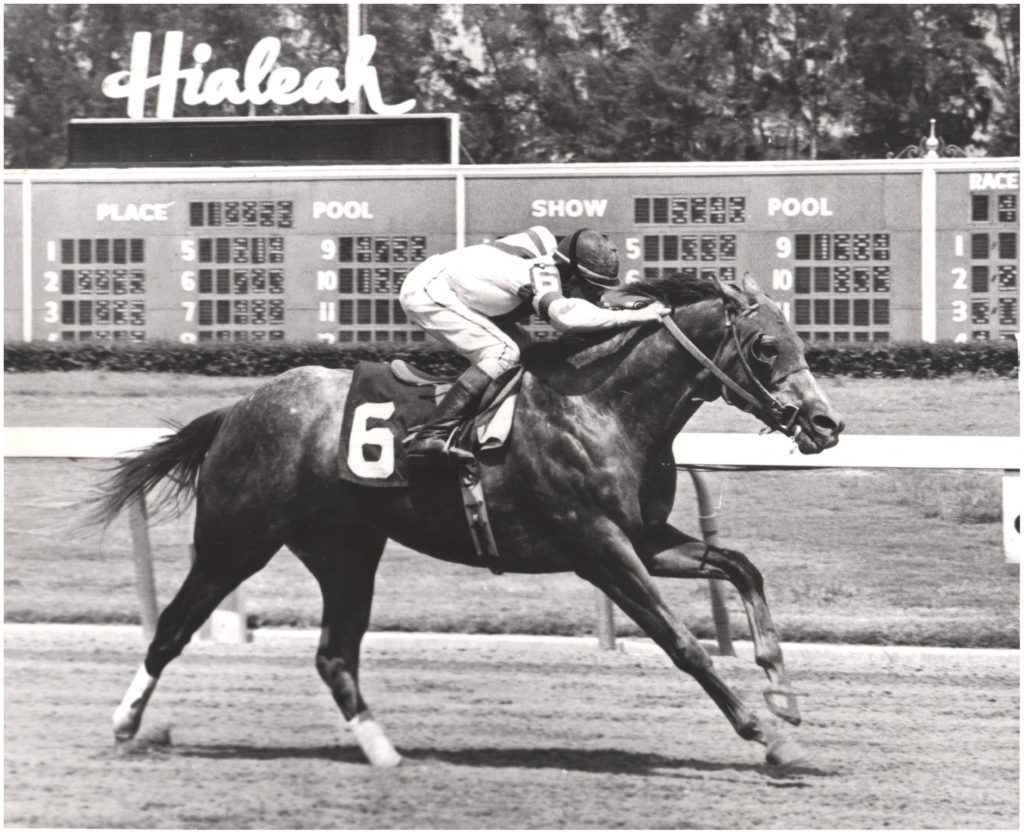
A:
x: 825, y: 424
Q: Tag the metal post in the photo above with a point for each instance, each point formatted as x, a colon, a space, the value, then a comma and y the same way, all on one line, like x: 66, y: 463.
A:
x: 929, y: 252
x: 1012, y: 546
x: 605, y: 622
x: 709, y: 531
x: 357, y: 24
x: 142, y: 558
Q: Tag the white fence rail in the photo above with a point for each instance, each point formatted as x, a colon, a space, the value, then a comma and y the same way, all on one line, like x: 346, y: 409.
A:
x: 771, y: 451
x: 856, y: 451
x: 691, y: 450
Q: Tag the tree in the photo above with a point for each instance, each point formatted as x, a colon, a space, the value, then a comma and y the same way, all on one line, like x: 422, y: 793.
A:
x: 1004, y: 67
x: 913, y: 63
x: 560, y: 83
x: 48, y: 80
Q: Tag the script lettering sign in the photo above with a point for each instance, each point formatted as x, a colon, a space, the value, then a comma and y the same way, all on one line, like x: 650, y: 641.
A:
x: 261, y: 82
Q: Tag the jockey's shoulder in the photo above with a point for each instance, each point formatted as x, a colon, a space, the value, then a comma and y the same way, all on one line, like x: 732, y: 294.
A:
x: 537, y: 242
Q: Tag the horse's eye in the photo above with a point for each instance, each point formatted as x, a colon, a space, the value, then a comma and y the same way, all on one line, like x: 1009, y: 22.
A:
x: 765, y: 349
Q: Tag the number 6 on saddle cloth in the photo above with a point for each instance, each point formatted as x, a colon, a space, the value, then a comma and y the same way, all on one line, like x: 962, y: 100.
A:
x: 386, y: 402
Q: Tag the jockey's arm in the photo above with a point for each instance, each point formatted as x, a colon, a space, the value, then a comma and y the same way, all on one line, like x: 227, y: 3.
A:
x: 578, y: 314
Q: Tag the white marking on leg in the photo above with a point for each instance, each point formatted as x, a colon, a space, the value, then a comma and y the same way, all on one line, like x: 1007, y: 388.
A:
x: 375, y: 744
x: 128, y: 715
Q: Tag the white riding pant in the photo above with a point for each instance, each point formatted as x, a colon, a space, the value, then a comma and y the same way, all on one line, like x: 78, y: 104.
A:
x: 430, y: 302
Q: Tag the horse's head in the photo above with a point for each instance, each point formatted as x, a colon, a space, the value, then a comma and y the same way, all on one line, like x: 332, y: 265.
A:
x: 763, y: 354
x: 752, y: 358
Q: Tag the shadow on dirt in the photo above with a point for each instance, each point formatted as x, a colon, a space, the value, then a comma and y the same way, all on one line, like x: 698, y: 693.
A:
x: 350, y: 755
x: 596, y: 761
x: 555, y: 758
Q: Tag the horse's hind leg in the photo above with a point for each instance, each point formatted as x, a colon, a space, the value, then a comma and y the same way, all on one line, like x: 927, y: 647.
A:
x: 216, y: 572
x: 344, y: 562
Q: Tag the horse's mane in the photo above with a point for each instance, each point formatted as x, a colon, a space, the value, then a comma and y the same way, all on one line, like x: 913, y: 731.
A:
x: 676, y: 289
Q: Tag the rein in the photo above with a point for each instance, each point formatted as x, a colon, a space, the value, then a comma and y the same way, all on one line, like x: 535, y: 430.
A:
x: 783, y: 417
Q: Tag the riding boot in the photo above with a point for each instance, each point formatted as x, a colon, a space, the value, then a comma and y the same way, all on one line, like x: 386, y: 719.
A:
x: 430, y: 443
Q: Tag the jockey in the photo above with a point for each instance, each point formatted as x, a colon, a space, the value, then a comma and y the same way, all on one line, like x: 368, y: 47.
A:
x: 456, y: 296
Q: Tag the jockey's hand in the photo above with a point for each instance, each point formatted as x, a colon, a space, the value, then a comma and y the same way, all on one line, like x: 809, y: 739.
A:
x: 652, y: 312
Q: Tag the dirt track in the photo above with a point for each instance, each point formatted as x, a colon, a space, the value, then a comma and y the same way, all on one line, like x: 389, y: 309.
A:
x: 499, y: 735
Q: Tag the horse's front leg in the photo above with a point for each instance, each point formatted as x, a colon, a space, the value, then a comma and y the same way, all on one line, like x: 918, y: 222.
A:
x: 614, y: 566
x: 669, y: 552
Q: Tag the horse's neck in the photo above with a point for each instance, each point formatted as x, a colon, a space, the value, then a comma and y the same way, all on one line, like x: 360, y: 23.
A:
x: 652, y: 390
x: 643, y: 377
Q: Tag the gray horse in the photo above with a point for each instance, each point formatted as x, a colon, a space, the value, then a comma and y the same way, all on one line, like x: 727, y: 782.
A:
x: 585, y: 484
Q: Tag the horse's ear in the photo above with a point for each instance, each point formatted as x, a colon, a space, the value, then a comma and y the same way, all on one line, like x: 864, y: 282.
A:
x: 750, y: 286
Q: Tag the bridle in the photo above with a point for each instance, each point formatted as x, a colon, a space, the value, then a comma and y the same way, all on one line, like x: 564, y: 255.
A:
x: 781, y: 417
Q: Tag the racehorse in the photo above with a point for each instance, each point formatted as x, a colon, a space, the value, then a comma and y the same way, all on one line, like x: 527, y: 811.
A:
x: 585, y: 483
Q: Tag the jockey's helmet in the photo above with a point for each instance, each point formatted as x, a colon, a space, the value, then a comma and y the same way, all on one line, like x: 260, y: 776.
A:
x: 590, y: 255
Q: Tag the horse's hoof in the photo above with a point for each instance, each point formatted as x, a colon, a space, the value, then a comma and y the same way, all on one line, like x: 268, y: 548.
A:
x: 786, y: 753
x: 125, y: 726
x: 788, y: 711
x: 386, y: 762
x: 127, y: 717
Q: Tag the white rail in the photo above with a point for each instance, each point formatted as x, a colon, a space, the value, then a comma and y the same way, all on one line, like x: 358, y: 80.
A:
x: 773, y: 451
x: 856, y: 451
x: 77, y: 442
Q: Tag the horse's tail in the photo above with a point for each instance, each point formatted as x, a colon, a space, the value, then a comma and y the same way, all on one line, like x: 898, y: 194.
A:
x: 177, y: 456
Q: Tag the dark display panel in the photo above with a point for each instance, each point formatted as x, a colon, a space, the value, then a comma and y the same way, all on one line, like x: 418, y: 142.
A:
x: 350, y: 140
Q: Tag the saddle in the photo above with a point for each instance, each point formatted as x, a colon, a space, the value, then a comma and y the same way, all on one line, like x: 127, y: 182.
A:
x: 386, y: 402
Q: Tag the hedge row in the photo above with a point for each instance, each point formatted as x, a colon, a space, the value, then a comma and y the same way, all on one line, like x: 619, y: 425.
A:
x: 917, y: 361
x: 218, y: 358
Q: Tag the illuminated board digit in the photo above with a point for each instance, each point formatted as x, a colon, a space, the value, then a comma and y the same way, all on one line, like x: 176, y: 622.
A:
x: 680, y: 212
x: 716, y: 211
x: 398, y: 278
x: 1007, y: 276
x: 364, y: 280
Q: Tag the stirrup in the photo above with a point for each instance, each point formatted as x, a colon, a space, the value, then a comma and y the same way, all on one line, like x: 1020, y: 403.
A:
x: 448, y: 455
x: 445, y: 450
x: 458, y: 454
x: 454, y: 452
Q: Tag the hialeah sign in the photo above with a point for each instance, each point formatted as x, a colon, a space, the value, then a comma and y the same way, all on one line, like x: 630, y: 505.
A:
x: 261, y: 82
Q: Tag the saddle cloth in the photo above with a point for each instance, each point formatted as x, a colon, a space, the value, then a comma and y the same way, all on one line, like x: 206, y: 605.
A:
x: 386, y: 401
